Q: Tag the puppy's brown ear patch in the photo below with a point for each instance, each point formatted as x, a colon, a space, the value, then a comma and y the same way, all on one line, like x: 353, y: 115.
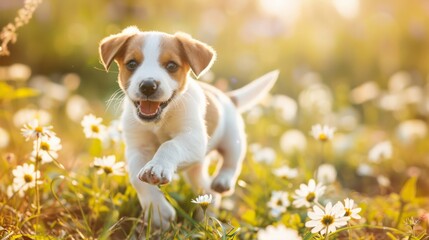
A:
x: 112, y: 45
x: 199, y: 55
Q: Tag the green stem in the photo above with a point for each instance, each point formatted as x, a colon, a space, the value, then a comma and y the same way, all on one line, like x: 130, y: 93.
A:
x: 71, y: 215
x: 206, y: 220
x: 401, y: 212
x: 320, y: 160
x: 348, y: 231
x: 322, y: 154
x: 372, y: 227
x: 37, y: 185
x: 318, y: 204
x: 56, y: 161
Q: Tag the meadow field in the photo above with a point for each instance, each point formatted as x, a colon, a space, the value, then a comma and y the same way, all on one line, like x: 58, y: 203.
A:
x: 339, y: 150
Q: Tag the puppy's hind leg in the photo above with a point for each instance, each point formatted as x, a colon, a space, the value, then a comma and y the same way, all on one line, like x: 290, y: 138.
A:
x: 233, y: 149
x: 198, y: 177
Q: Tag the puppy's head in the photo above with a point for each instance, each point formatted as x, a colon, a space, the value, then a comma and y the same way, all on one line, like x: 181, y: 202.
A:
x: 154, y: 66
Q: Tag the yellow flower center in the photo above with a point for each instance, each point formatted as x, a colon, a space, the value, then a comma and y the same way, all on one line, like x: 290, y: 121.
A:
x: 44, y: 146
x: 348, y: 212
x: 310, y: 197
x: 107, y: 170
x: 38, y: 158
x: 39, y: 129
x: 323, y: 137
x: 95, y: 128
x: 204, y: 205
x: 327, y: 220
x: 28, y: 178
x: 279, y: 202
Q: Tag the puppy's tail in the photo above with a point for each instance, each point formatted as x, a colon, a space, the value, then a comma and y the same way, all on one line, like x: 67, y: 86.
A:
x: 248, y: 96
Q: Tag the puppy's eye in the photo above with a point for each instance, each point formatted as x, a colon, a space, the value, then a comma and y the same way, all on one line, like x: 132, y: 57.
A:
x: 132, y: 65
x: 172, y: 67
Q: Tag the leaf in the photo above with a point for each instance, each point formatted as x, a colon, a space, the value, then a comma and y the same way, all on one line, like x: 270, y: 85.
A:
x: 24, y: 93
x: 391, y: 236
x: 14, y: 237
x: 421, y: 236
x: 149, y: 221
x: 8, y: 92
x: 5, y: 90
x: 408, y: 191
x: 249, y: 216
x: 309, y: 236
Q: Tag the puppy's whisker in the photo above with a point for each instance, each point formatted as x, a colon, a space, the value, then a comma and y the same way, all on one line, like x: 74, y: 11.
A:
x: 117, y: 98
x: 113, y: 97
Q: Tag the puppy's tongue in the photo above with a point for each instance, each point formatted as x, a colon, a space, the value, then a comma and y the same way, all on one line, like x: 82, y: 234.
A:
x: 148, y: 107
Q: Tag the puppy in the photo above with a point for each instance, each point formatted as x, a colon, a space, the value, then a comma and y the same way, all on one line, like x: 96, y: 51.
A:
x: 170, y: 121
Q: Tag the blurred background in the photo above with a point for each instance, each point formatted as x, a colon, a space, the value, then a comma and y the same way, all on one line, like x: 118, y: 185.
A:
x: 346, y: 42
x: 359, y: 65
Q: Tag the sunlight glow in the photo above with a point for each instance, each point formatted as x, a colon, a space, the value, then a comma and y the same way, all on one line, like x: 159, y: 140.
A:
x: 347, y: 8
x: 288, y: 10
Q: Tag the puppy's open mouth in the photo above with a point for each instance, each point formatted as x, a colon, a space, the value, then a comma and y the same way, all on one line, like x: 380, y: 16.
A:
x: 151, y: 110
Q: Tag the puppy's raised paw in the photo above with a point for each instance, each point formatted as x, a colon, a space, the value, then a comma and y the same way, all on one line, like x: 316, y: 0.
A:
x: 223, y: 183
x: 156, y: 174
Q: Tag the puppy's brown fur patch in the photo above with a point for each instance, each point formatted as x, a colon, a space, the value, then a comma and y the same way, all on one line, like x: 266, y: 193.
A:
x: 200, y: 56
x: 171, y: 51
x: 212, y: 113
x: 131, y: 51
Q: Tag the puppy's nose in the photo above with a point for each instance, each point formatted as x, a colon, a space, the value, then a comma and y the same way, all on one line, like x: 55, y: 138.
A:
x: 148, y: 87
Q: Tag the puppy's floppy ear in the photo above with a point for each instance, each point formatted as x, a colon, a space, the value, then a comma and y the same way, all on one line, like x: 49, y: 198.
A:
x: 112, y: 45
x: 199, y: 55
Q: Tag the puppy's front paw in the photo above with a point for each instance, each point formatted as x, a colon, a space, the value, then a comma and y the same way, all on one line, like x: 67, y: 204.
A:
x: 224, y: 183
x: 156, y: 173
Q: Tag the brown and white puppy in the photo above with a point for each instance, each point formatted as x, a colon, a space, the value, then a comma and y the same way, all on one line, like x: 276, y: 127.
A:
x: 171, y: 121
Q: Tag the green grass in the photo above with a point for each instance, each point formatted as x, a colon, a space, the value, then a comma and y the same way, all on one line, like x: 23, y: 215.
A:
x: 78, y: 203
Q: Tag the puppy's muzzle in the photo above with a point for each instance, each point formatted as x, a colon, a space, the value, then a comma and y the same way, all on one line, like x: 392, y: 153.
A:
x: 148, y: 86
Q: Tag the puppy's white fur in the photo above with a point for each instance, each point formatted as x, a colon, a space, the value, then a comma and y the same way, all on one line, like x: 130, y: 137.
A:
x: 198, y: 119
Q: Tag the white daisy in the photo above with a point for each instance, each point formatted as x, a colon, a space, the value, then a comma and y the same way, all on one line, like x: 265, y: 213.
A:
x: 364, y: 170
x: 306, y: 195
x: 380, y: 151
x: 286, y: 106
x: 279, y: 232
x: 92, y: 127
x: 265, y: 155
x: 411, y: 130
x: 383, y: 181
x: 322, y: 133
x: 278, y: 203
x: 34, y: 130
x: 45, y: 149
x: 26, y: 115
x: 108, y: 165
x: 41, y: 157
x: 203, y: 200
x: 114, y: 131
x: 293, y: 141
x: 286, y: 172
x: 24, y: 178
x: 349, y: 209
x: 327, y: 220
x: 326, y: 173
